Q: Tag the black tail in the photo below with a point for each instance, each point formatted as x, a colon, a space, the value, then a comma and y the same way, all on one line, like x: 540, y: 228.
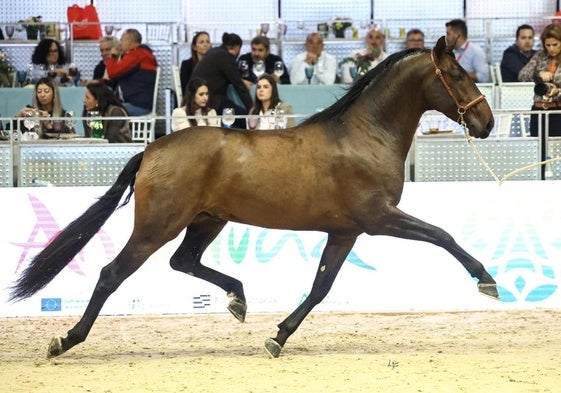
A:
x: 62, y: 248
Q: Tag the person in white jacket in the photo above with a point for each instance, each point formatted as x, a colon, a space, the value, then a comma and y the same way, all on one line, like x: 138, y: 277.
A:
x: 323, y: 64
x: 373, y: 53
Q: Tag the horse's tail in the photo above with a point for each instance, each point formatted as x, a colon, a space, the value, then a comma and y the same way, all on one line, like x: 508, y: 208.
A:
x: 62, y: 248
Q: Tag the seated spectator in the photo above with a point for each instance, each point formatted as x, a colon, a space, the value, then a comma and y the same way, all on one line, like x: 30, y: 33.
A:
x: 101, y: 98
x: 49, y: 54
x: 261, y: 50
x: 46, y: 103
x: 323, y: 64
x: 199, y: 46
x: 106, y: 44
x: 516, y: 56
x: 195, y: 103
x: 269, y: 107
x: 134, y: 72
x: 373, y: 53
x: 543, y: 68
x: 470, y: 56
x: 415, y: 39
x: 219, y: 68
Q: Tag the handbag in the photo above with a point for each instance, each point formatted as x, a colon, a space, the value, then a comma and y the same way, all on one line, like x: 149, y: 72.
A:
x: 83, y: 21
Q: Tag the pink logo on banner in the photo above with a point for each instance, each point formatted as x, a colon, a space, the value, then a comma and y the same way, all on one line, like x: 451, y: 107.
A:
x: 47, y: 224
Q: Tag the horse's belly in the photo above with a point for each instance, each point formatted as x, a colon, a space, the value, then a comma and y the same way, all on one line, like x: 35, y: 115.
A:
x: 284, y: 214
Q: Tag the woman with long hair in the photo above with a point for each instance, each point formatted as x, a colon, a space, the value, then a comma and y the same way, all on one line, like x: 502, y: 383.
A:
x: 219, y: 68
x: 195, y: 103
x: 543, y: 69
x: 200, y: 44
x: 101, y: 98
x: 269, y: 112
x: 46, y: 103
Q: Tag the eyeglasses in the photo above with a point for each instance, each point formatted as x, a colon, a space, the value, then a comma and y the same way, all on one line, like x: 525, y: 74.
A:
x: 53, y: 51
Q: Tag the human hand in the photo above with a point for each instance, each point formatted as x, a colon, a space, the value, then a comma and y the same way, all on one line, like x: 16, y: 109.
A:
x: 546, y: 76
x: 311, y: 58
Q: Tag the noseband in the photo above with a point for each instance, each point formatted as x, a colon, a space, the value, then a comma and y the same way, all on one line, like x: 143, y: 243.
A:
x: 462, y: 109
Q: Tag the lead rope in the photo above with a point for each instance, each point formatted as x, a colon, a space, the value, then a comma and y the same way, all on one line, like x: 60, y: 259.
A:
x: 462, y: 110
x: 469, y: 140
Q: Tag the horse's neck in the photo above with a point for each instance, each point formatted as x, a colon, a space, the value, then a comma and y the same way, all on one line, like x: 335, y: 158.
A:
x: 394, y: 104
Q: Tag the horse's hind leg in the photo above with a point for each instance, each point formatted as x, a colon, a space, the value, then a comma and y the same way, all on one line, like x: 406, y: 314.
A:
x: 187, y: 259
x: 111, y: 276
x: 400, y: 224
x: 332, y: 258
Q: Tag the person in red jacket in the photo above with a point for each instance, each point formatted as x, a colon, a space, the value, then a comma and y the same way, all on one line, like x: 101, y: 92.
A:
x: 134, y: 72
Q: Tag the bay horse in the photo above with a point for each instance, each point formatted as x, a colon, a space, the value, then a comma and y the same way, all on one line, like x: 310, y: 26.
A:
x: 341, y: 172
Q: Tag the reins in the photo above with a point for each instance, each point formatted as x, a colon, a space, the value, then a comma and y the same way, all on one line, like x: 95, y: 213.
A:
x: 462, y: 109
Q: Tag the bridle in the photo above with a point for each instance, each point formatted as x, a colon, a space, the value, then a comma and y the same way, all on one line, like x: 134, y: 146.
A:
x: 462, y: 109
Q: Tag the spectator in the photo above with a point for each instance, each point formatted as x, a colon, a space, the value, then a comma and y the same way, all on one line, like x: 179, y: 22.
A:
x: 134, y: 72
x: 100, y: 97
x: 269, y: 107
x: 373, y: 53
x: 323, y: 64
x: 106, y: 44
x: 49, y: 53
x: 46, y: 103
x: 261, y: 50
x: 415, y: 39
x: 516, y: 56
x: 470, y: 56
x: 218, y: 67
x: 200, y: 44
x: 543, y: 68
x: 195, y: 103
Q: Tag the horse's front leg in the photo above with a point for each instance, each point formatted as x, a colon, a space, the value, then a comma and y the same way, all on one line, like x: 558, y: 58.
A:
x: 332, y: 258
x: 400, y: 224
x: 187, y: 259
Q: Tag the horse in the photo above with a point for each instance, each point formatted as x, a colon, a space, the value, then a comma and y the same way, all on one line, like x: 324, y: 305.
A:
x: 341, y: 171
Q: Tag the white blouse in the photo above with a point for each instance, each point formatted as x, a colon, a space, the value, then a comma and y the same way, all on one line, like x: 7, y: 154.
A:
x: 179, y: 119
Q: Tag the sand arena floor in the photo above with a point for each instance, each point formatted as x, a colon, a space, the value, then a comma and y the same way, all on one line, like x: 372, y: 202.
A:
x: 506, y: 351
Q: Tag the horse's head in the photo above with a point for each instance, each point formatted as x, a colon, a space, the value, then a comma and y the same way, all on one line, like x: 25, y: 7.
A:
x: 457, y: 96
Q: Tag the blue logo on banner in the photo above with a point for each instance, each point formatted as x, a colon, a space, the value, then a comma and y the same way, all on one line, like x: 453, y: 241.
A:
x: 51, y: 304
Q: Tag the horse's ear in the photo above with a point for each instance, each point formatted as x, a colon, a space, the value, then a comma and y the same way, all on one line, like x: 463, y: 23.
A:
x: 440, y: 46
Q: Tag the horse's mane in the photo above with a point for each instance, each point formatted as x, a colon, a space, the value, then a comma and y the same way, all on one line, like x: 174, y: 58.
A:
x: 358, y: 87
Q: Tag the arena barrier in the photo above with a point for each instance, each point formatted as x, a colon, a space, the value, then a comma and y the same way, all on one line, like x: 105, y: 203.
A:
x: 513, y: 229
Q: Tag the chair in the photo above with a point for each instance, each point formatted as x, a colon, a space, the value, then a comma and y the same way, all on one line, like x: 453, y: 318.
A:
x: 143, y: 128
x: 159, y: 32
x: 177, y: 84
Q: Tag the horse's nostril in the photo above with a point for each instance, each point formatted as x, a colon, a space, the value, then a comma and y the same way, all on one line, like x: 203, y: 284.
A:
x: 490, y: 125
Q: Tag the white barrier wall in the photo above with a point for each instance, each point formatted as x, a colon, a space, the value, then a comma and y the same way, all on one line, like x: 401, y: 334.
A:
x: 513, y: 229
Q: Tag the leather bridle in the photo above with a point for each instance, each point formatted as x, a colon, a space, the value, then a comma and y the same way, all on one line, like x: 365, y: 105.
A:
x: 462, y: 109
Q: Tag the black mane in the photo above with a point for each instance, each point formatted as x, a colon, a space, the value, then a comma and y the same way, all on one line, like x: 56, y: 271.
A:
x: 356, y: 89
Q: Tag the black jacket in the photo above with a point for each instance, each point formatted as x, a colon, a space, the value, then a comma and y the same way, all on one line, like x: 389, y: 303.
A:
x: 219, y: 68
x: 513, y: 61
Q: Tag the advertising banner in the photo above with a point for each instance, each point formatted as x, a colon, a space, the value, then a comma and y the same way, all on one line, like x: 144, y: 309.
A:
x: 513, y: 229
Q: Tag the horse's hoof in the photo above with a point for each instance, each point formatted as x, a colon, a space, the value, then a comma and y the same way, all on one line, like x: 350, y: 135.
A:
x: 55, y: 347
x: 238, y: 308
x: 489, y: 290
x: 272, y: 347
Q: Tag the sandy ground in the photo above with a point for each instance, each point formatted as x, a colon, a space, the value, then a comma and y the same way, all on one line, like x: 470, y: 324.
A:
x: 514, y: 351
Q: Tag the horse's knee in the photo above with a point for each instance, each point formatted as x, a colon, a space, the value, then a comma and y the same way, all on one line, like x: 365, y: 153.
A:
x: 182, y: 264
